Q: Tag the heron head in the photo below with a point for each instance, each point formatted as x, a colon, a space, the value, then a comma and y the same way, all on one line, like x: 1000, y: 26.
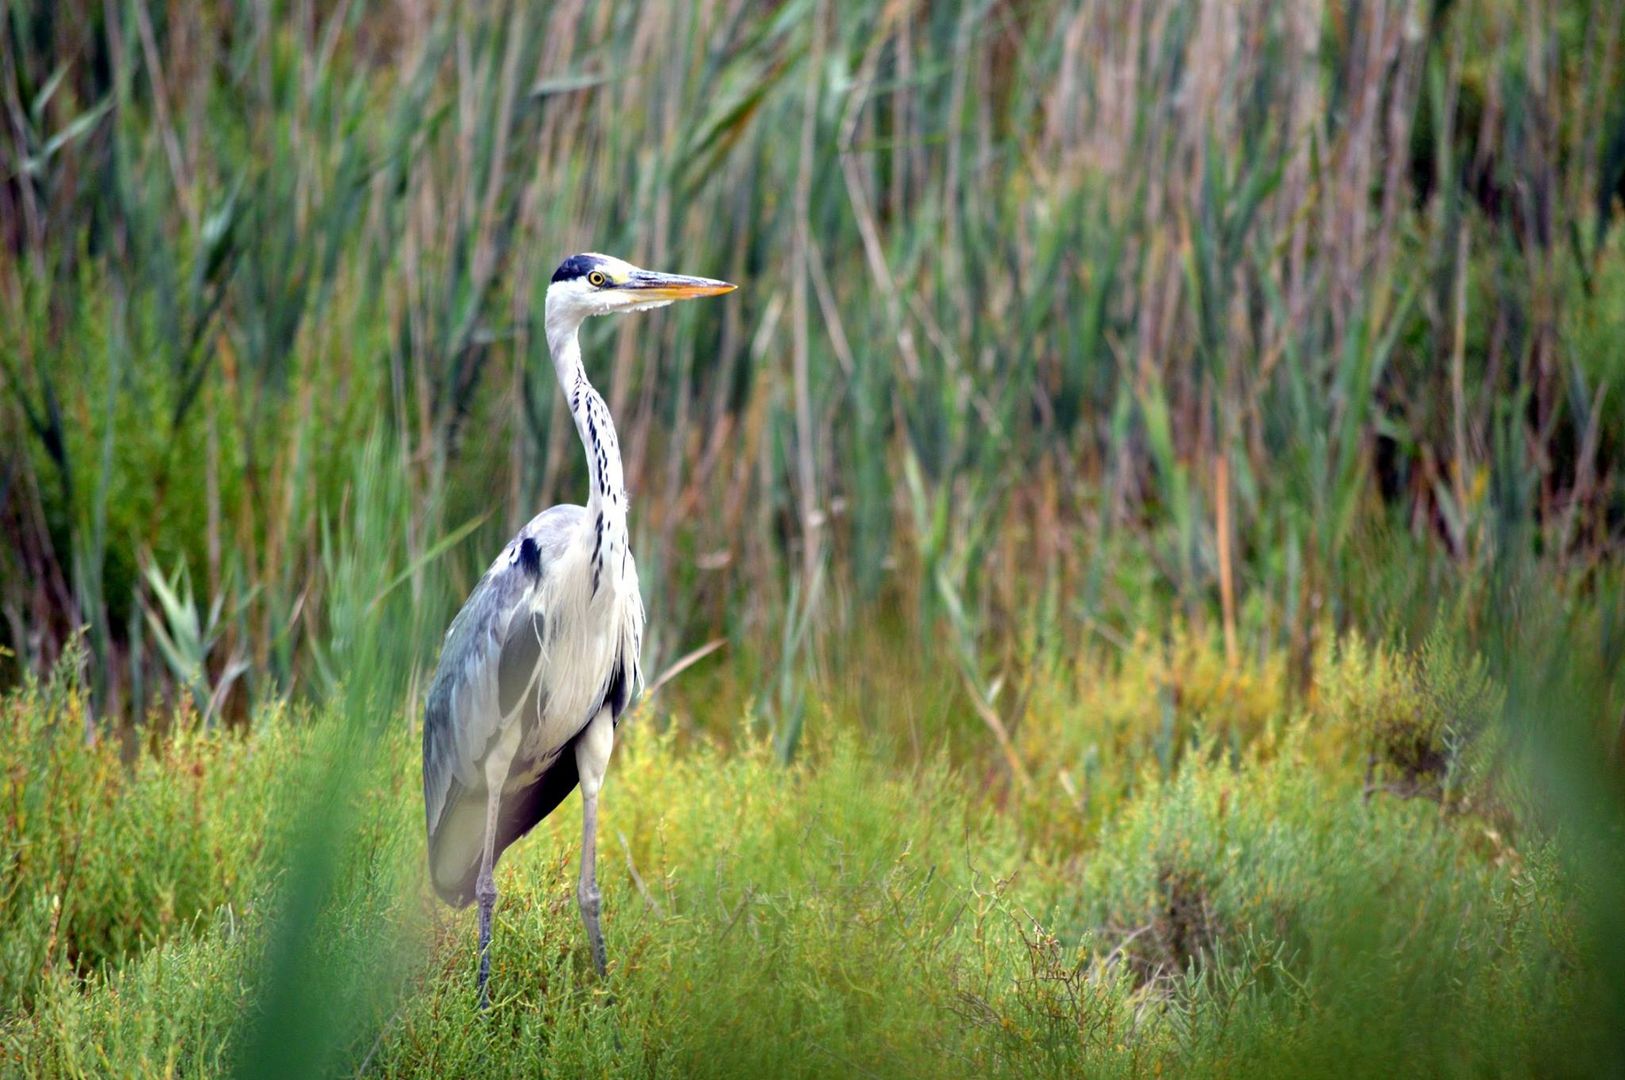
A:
x: 593, y: 284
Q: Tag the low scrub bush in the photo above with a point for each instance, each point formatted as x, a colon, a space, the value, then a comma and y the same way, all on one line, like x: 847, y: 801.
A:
x: 1426, y: 720
x: 101, y: 856
x: 1273, y: 912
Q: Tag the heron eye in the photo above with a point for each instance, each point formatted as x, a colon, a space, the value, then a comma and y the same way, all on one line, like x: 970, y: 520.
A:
x: 596, y: 279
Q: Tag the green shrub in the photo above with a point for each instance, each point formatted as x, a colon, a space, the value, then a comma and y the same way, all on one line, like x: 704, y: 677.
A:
x: 1095, y: 733
x: 1426, y: 719
x: 1279, y: 918
x: 102, y: 857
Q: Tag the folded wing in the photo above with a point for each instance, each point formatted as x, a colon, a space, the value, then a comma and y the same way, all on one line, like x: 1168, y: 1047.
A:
x: 491, y: 661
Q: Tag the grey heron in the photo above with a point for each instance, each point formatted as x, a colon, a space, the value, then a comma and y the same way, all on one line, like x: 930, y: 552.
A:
x: 542, y: 660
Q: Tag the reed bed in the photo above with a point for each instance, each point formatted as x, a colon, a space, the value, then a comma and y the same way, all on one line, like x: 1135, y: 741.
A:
x: 1246, y: 298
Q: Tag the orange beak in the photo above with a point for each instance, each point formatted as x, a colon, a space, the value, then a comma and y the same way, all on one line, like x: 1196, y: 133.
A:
x: 653, y: 286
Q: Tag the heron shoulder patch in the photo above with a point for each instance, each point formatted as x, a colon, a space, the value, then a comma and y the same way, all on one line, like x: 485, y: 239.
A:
x: 530, y: 557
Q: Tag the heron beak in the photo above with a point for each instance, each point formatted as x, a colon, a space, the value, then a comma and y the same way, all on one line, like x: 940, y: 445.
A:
x: 648, y: 285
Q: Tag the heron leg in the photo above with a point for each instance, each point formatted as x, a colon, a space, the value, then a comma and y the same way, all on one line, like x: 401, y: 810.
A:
x: 485, y: 890
x: 592, y: 759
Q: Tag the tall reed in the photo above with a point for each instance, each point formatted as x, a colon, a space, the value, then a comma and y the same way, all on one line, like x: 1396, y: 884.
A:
x: 1029, y: 290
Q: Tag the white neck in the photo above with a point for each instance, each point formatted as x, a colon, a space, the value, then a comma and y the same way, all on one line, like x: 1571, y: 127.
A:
x: 606, y: 499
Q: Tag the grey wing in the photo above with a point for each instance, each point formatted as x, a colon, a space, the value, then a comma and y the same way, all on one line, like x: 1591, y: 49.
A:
x: 489, y: 660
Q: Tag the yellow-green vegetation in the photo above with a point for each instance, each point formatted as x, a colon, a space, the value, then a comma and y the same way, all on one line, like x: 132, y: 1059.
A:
x: 105, y: 855
x: 1231, y: 895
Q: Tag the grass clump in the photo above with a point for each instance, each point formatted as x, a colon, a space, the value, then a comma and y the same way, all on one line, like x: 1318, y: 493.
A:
x: 1426, y: 719
x: 102, y: 857
x: 1095, y: 734
x: 1274, y: 918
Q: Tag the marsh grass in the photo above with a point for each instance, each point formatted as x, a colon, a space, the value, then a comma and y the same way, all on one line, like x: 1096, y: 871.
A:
x: 105, y: 858
x: 1259, y: 908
